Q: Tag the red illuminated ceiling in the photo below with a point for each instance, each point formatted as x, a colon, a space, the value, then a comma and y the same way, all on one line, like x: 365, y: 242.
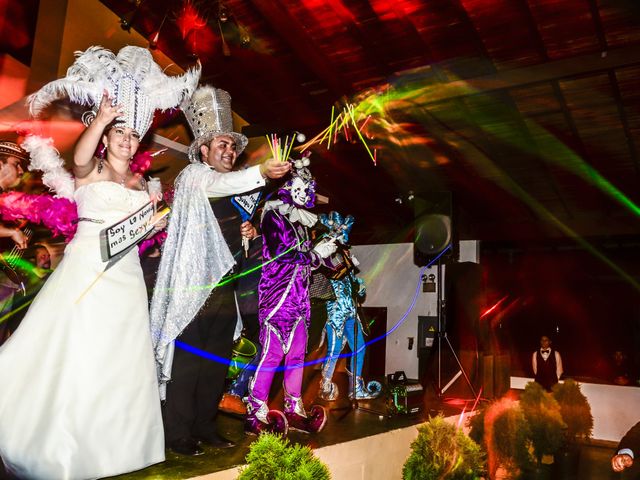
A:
x: 520, y: 68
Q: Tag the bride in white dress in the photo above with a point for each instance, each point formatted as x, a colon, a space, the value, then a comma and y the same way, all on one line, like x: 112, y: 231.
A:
x: 78, y: 390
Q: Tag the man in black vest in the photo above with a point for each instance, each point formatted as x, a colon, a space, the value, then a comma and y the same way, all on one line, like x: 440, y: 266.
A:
x: 547, y: 364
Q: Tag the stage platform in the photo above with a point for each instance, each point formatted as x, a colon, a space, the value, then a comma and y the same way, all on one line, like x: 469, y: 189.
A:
x: 358, y: 445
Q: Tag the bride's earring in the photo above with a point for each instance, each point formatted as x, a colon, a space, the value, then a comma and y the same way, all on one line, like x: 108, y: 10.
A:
x: 100, y: 165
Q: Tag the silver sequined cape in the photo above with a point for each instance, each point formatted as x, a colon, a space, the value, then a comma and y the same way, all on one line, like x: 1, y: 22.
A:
x: 194, y: 259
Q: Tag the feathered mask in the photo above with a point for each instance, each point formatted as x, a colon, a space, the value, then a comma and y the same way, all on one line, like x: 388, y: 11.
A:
x: 132, y: 79
x: 300, y: 174
x: 337, y: 224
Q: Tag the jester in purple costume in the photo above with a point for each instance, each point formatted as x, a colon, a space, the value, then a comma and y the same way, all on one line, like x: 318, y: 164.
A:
x: 284, y: 306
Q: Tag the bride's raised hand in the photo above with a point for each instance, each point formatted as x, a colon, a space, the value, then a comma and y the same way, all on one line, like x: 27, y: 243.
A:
x: 108, y: 112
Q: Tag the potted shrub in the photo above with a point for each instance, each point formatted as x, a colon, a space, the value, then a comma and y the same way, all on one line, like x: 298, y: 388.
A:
x: 272, y: 458
x: 503, y: 432
x: 576, y: 414
x: 546, y: 427
x: 443, y: 451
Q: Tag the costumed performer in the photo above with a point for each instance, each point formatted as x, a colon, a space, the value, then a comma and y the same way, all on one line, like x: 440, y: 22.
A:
x: 343, y: 323
x: 284, y: 307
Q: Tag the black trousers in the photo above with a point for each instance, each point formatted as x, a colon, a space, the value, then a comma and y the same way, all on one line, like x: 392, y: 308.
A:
x: 196, y: 382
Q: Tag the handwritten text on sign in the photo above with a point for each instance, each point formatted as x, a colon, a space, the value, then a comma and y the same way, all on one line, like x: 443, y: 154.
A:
x: 127, y: 232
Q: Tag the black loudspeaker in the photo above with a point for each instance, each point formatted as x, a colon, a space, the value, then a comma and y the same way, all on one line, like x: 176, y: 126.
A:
x: 463, y: 291
x: 432, y: 225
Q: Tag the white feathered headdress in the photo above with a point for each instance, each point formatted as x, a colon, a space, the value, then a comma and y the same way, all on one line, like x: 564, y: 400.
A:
x: 132, y: 78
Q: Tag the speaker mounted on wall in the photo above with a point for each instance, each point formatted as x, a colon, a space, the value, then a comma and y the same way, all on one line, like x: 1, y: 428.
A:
x: 433, y: 229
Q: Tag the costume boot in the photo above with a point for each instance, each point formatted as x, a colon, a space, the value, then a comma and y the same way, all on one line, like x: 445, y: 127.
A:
x: 328, y: 390
x: 311, y: 422
x: 365, y: 392
x: 262, y: 419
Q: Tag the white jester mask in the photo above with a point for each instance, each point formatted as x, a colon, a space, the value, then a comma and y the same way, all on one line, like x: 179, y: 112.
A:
x: 299, y: 192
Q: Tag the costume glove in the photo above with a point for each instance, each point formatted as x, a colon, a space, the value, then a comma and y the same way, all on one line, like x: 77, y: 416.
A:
x: 325, y: 248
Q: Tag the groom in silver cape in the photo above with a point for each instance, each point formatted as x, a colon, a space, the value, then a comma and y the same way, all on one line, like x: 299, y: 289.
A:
x: 193, y: 297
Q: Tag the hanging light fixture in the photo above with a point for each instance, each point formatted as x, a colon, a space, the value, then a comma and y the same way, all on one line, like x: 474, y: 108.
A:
x: 126, y: 20
x: 223, y: 12
x: 226, y: 51
x: 153, y: 42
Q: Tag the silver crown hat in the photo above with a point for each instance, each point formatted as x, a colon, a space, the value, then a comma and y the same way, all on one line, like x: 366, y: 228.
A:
x: 208, y: 113
x: 132, y: 79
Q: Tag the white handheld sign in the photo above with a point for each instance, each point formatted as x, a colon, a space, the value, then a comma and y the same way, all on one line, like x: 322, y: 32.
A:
x: 124, y: 234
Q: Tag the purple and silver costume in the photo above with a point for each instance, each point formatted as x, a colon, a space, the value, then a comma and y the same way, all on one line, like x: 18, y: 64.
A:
x: 284, y: 302
x: 284, y: 307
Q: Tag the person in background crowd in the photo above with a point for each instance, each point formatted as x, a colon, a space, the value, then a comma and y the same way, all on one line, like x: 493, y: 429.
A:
x: 247, y: 296
x: 12, y: 157
x: 34, y: 280
x: 621, y: 373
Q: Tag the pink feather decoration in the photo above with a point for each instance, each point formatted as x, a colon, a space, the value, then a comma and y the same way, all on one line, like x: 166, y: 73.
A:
x: 57, y: 214
x: 141, y: 162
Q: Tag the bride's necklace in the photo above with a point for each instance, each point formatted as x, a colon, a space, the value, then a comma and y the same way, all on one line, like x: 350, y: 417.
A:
x: 123, y: 178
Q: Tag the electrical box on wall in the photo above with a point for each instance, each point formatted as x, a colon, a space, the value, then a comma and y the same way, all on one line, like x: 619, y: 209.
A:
x: 428, y: 302
x: 427, y: 330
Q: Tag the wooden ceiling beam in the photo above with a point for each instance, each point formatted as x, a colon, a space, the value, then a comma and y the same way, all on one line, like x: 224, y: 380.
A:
x: 289, y: 29
x: 526, y: 76
x: 48, y: 43
x: 615, y: 87
x: 597, y: 24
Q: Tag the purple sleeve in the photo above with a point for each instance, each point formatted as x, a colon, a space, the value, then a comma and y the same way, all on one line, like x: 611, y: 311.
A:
x: 280, y: 241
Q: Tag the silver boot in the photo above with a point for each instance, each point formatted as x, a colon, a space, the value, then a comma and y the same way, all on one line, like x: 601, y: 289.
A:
x: 366, y: 392
x: 328, y: 390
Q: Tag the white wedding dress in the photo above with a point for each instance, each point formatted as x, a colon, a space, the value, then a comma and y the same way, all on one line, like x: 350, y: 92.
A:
x: 78, y: 389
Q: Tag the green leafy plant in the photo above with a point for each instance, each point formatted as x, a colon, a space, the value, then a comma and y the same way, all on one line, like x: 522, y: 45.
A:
x: 575, y: 410
x: 442, y: 451
x: 476, y: 424
x: 506, y: 438
x: 542, y: 412
x: 273, y: 458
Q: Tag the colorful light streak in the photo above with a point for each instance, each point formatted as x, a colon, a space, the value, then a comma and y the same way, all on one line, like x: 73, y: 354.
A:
x: 493, y: 307
x: 29, y: 268
x: 216, y: 358
x: 8, y: 315
x: 424, y: 104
